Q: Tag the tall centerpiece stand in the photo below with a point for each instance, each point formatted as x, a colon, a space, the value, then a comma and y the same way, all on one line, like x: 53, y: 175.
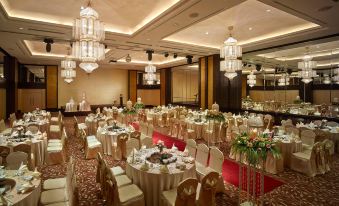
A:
x: 252, y: 150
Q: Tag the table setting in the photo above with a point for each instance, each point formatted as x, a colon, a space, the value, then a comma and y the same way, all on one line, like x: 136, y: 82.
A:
x: 166, y: 167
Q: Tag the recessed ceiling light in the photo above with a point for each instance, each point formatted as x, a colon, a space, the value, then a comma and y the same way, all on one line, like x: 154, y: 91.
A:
x: 250, y: 28
x: 206, y: 33
x: 268, y: 10
x: 148, y: 39
x: 21, y: 28
x: 82, y: 8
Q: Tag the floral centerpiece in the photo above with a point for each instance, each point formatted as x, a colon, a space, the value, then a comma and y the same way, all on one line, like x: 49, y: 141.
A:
x: 139, y: 106
x: 129, y: 110
x: 215, y: 116
x: 157, y: 109
x: 255, y: 147
x: 160, y: 144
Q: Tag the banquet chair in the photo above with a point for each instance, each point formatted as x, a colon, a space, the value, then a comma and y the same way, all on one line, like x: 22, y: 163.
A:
x: 289, y: 128
x: 56, y: 120
x: 150, y: 130
x: 136, y: 135
x: 92, y: 147
x: 321, y: 135
x: 2, y: 126
x: 55, y: 131
x: 4, y: 152
x: 307, y: 138
x: 184, y: 195
x: 243, y: 129
x: 239, y: 121
x: 328, y: 149
x: 67, y: 196
x: 119, y: 147
x: 101, y: 123
x: 274, y: 165
x: 147, y: 142
x: 110, y: 121
x: 207, y: 189
x: 26, y: 148
x: 201, y: 158
x: 79, y: 127
x: 33, y: 128
x: 268, y: 122
x: 223, y: 131
x: 121, y: 180
x: 129, y: 195
x: 318, y: 122
x: 15, y: 159
x: 61, y: 182
x: 305, y: 162
x: 55, y: 151
x: 183, y: 131
x: 131, y: 144
x: 332, y: 124
x: 164, y: 120
x: 191, y: 147
x: 12, y: 119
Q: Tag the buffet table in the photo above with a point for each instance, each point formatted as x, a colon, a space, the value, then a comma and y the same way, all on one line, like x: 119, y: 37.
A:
x: 162, y: 178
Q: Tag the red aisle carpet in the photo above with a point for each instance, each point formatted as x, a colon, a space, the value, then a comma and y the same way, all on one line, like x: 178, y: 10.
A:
x: 230, y: 169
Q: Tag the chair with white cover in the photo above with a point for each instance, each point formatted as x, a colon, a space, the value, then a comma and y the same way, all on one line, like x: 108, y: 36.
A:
x: 56, y: 120
x: 207, y: 189
x: 110, y: 121
x: 191, y: 147
x: 147, y: 141
x: 328, y: 149
x: 305, y: 161
x: 4, y: 152
x: 215, y: 165
x: 243, y: 129
x: 129, y: 195
x: 33, y: 128
x: 184, y: 195
x: 150, y: 130
x: 26, y: 148
x: 67, y: 196
x: 307, y: 138
x: 93, y: 146
x: 15, y: 159
x: 136, y: 135
x: 12, y: 119
x: 119, y: 147
x: 60, y: 182
x: 131, y: 144
x: 55, y: 153
x: 3, y: 128
x: 201, y: 158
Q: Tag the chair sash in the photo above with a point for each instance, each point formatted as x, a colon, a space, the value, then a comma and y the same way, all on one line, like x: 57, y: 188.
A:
x: 186, y: 193
x: 121, y: 144
x: 208, y: 189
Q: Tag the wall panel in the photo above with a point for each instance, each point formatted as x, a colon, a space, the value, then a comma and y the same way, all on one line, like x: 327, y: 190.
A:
x: 149, y: 96
x: 202, y: 68
x: 132, y: 81
x: 52, y: 87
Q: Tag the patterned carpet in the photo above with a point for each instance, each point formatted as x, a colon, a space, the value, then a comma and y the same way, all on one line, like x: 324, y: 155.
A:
x: 297, y: 189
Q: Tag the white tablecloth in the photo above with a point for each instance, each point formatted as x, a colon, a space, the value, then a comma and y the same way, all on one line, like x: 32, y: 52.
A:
x: 26, y: 199
x: 153, y: 182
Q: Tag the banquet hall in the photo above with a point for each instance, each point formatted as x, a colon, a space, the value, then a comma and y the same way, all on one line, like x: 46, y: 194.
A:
x: 169, y: 103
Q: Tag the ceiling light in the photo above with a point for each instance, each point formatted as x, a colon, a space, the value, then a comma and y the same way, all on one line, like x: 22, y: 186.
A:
x: 327, y: 79
x: 307, y: 75
x: 189, y: 59
x: 230, y: 51
x: 268, y: 10
x: 128, y: 58
x: 68, y: 75
x: 206, y: 33
x: 88, y: 32
x: 175, y: 55
x: 49, y: 43
x: 251, y: 79
x: 166, y: 54
x: 150, y: 68
x: 149, y: 54
x: 21, y: 28
x: 250, y: 28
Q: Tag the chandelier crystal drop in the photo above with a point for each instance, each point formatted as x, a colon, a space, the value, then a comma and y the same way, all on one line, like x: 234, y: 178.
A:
x: 307, y: 75
x: 150, y: 68
x: 68, y: 75
x: 88, y: 33
x: 68, y: 63
x: 251, y: 79
x: 307, y: 63
x: 230, y: 52
x: 327, y: 80
x: 150, y: 78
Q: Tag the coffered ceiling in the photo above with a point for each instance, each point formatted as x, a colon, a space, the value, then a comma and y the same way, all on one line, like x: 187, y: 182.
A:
x: 185, y: 27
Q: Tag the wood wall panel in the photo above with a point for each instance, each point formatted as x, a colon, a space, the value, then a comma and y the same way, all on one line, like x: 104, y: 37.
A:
x: 202, y: 69
x: 163, y: 86
x: 210, y: 81
x: 149, y: 96
x: 132, y: 85
x: 51, y: 87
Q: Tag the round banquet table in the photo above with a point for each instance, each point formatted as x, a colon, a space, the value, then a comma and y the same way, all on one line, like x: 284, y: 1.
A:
x: 153, y: 182
x: 38, y: 142
x: 27, y: 199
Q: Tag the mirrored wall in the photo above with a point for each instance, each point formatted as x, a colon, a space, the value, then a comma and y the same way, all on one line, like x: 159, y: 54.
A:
x: 299, y: 79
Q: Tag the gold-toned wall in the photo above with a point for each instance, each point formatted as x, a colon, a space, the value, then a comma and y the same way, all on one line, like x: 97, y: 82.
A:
x: 133, y: 86
x: 52, y: 87
x: 210, y: 82
x: 102, y: 86
x: 185, y: 85
x: 149, y: 96
x: 163, y: 86
x: 2, y: 103
x: 30, y: 99
x: 202, y: 63
x: 324, y: 96
x: 243, y: 86
x: 277, y: 95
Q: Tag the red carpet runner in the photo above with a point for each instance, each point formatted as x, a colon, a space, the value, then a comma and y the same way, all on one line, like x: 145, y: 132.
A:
x: 230, y: 169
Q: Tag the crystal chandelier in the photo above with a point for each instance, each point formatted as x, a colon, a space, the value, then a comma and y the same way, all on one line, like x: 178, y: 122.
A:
x: 307, y: 75
x: 89, y: 34
x: 230, y: 51
x: 336, y: 77
x: 150, y: 76
x: 251, y: 79
x: 284, y: 80
x: 68, y: 65
x: 307, y: 63
x: 327, y: 79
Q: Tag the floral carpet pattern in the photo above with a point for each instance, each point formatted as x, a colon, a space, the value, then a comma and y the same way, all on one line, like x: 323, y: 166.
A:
x: 297, y: 190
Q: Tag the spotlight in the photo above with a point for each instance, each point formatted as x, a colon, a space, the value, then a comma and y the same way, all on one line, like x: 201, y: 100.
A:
x: 175, y: 55
x: 128, y: 58
x: 289, y: 71
x: 258, y: 67
x: 149, y: 53
x: 49, y: 43
x: 189, y: 59
x: 166, y: 54
x: 249, y: 65
x: 245, y: 64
